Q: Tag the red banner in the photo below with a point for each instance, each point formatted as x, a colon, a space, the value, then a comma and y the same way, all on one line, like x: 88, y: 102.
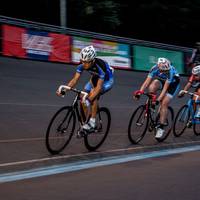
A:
x: 38, y: 45
x: 12, y: 41
x: 61, y: 48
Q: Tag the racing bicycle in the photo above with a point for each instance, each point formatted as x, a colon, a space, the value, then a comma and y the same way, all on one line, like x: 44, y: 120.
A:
x: 62, y: 125
x: 186, y: 116
x: 146, y: 118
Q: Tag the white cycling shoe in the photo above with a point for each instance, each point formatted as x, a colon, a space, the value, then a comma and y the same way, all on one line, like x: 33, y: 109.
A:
x: 90, y: 125
x: 159, y: 133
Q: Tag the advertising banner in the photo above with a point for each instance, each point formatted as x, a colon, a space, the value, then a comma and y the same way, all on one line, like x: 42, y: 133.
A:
x: 12, y: 41
x: 116, y: 54
x: 36, y: 44
x: 145, y: 57
x: 39, y: 45
x: 61, y: 48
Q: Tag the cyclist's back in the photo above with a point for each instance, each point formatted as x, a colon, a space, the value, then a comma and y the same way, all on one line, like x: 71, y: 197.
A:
x: 99, y: 69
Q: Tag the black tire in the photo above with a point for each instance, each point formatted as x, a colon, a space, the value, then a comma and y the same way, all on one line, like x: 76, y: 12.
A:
x: 169, y: 125
x: 134, y: 134
x: 196, y: 128
x: 181, y: 120
x: 95, y: 139
x: 60, y: 130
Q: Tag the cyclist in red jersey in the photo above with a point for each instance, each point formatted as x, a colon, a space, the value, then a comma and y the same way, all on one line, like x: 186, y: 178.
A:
x: 194, y: 81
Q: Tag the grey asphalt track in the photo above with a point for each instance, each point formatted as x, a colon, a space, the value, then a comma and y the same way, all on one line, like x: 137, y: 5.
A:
x: 28, y: 102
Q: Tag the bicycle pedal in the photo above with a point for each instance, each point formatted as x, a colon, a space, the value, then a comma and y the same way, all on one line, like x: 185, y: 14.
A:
x: 98, y: 130
x: 63, y: 131
x: 92, y: 130
x: 150, y: 129
x: 81, y: 134
x: 189, y: 124
x: 138, y: 124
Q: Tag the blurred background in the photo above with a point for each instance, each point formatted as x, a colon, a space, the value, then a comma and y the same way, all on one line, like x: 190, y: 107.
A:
x: 172, y: 22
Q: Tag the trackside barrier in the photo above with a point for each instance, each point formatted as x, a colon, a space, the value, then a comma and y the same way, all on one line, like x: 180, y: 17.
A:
x: 47, y: 42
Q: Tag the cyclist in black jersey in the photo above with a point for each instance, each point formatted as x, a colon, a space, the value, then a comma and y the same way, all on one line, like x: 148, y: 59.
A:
x: 100, y: 82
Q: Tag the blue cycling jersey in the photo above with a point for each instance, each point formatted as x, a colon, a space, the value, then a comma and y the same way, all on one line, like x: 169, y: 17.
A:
x: 169, y: 76
x: 99, y: 70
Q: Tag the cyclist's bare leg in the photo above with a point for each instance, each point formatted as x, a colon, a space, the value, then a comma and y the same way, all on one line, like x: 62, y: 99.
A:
x: 94, y: 105
x: 164, y: 109
x: 94, y: 108
x: 154, y: 86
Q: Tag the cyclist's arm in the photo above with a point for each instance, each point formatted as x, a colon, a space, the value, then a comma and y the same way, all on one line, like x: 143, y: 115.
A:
x: 74, y: 80
x: 96, y: 90
x: 187, y: 86
x: 164, y: 91
x: 146, y: 83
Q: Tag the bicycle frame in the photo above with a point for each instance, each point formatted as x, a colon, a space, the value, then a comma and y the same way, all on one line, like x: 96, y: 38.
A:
x: 149, y: 109
x: 75, y: 107
x: 58, y: 135
x: 77, y: 98
x: 190, y: 104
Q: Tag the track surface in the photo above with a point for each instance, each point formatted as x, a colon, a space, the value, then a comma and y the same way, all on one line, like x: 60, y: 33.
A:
x: 28, y: 102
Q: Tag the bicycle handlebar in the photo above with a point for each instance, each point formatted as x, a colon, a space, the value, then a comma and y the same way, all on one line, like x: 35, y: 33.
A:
x: 191, y: 94
x: 147, y: 94
x: 85, y: 94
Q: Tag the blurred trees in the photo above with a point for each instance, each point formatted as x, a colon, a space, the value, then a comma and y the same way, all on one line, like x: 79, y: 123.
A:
x: 174, y: 22
x: 94, y: 15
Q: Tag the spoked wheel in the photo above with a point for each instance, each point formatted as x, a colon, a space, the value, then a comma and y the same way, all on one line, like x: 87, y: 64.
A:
x: 181, y: 121
x: 167, y: 126
x: 196, y: 128
x: 60, y: 130
x: 95, y: 139
x: 138, y: 124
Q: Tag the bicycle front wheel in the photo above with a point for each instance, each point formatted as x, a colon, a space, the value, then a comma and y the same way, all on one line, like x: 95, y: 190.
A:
x: 181, y: 121
x: 196, y: 128
x: 95, y: 139
x: 138, y: 124
x: 60, y: 130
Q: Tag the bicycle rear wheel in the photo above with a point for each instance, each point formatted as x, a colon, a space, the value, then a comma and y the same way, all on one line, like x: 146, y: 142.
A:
x: 95, y: 139
x: 181, y: 120
x: 138, y: 124
x: 60, y: 130
x: 168, y: 124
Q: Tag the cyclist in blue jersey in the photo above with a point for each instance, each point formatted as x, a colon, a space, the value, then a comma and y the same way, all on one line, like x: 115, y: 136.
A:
x: 162, y: 76
x: 100, y: 82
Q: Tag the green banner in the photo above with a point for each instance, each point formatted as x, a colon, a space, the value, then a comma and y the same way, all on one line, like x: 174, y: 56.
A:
x: 116, y: 54
x: 145, y: 57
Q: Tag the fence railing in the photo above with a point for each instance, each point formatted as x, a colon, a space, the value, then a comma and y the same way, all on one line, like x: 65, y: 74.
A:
x: 83, y: 33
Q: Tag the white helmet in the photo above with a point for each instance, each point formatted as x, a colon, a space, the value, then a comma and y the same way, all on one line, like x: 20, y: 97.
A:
x: 164, y: 64
x: 196, y: 70
x: 88, y: 54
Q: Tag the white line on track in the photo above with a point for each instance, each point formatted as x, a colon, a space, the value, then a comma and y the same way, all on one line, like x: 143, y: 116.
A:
x: 60, y: 157
x: 88, y: 164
